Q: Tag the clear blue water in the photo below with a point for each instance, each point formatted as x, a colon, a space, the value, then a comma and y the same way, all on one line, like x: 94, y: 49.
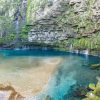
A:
x: 72, y: 72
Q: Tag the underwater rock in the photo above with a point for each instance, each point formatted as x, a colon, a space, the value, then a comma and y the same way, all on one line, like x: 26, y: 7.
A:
x: 80, y: 91
x: 77, y: 92
x: 95, y: 66
x: 7, y: 92
x: 48, y: 97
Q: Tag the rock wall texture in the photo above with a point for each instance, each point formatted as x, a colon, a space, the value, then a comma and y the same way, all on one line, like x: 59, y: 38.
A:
x: 60, y: 20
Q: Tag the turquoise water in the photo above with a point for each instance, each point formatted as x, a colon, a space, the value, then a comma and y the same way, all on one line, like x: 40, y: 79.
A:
x: 72, y: 72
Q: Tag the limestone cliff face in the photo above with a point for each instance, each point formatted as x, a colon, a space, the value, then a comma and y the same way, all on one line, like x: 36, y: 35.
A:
x: 64, y: 19
x: 46, y: 28
x: 60, y: 22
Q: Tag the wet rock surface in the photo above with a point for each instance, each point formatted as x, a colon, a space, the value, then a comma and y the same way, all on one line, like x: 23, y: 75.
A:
x: 95, y: 66
x: 46, y: 29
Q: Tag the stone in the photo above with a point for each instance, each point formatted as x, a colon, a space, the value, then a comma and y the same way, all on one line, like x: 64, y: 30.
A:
x: 72, y: 2
x: 7, y: 92
x: 92, y: 86
x: 48, y: 97
x: 96, y: 11
x: 95, y: 66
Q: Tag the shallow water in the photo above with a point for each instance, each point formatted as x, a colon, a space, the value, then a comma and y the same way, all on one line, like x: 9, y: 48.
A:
x: 29, y: 70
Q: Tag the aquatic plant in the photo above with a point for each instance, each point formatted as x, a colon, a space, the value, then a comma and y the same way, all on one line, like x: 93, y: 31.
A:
x: 94, y: 94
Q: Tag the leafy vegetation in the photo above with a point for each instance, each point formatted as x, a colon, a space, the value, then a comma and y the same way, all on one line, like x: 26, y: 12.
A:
x: 94, y: 94
x: 33, y: 6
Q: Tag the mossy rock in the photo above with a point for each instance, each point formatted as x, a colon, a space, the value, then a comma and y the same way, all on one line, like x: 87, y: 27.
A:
x: 95, y: 66
x: 97, y: 90
x: 92, y: 86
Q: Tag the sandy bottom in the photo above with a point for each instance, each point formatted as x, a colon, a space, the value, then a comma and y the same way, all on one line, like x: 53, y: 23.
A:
x: 27, y: 75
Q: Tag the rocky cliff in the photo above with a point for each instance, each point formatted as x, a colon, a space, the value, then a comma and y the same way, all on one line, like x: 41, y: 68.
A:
x: 68, y: 23
x: 63, y: 23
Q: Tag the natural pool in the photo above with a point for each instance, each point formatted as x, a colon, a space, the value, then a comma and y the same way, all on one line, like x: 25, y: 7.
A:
x: 38, y: 73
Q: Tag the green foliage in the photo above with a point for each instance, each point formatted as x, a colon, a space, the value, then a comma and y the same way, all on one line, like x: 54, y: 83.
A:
x: 95, y: 94
x: 24, y: 33
x: 92, y: 86
x: 33, y: 6
x: 7, y: 39
x: 90, y: 43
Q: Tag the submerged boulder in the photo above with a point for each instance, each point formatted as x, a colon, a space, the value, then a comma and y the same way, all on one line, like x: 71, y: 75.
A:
x: 7, y: 92
x: 48, y: 97
x: 95, y: 66
x: 79, y: 91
